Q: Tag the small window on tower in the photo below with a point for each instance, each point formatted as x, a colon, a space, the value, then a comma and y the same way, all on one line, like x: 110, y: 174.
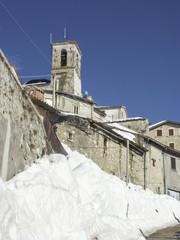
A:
x: 63, y: 57
x: 159, y: 133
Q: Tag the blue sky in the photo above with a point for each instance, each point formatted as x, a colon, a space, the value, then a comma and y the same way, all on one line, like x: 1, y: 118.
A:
x: 131, y: 48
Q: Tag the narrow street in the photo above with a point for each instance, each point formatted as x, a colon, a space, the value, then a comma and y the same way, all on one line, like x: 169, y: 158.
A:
x: 167, y: 233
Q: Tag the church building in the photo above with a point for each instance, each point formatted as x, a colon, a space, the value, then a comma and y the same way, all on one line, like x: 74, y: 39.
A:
x: 64, y: 91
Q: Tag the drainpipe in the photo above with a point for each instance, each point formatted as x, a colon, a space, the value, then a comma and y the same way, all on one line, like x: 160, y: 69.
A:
x: 145, y: 166
x: 164, y: 169
x: 54, y: 93
x: 145, y: 169
x: 127, y: 163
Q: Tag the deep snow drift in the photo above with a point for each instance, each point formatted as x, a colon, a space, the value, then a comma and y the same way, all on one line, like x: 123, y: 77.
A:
x: 71, y: 198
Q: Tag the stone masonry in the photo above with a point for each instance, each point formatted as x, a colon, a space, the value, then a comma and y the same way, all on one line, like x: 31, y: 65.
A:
x: 22, y: 138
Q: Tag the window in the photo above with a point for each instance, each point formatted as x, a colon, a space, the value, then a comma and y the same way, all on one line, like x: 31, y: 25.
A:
x: 171, y: 145
x: 174, y: 194
x: 171, y: 132
x: 153, y: 162
x: 76, y: 109
x: 159, y: 133
x: 70, y: 136
x: 173, y: 163
x: 105, y: 142
x: 63, y: 57
x: 63, y: 102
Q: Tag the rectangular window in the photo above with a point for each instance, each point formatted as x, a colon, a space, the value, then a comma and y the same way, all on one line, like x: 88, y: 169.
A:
x: 171, y: 145
x: 159, y: 133
x: 173, y: 163
x: 171, y: 132
x: 76, y: 109
x: 105, y: 142
x: 153, y: 162
x: 63, y: 102
x: 174, y: 194
x: 70, y: 136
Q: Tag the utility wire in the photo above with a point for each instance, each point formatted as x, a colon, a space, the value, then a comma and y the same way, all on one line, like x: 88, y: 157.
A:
x: 30, y: 39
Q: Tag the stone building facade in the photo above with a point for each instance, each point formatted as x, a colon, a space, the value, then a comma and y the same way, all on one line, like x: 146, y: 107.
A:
x: 65, y: 91
x: 162, y: 173
x: 114, y: 113
x: 167, y: 163
x: 22, y: 135
x: 140, y: 125
x: 66, y: 67
x: 106, y: 148
x: 166, y: 132
x: 149, y: 162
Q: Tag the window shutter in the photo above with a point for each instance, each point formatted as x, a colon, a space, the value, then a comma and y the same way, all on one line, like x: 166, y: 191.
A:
x: 171, y: 132
x: 159, y: 133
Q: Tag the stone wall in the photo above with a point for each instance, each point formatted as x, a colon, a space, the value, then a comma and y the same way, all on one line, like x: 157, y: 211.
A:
x: 140, y: 125
x: 105, y: 150
x: 22, y: 134
x: 67, y: 78
x: 154, y: 174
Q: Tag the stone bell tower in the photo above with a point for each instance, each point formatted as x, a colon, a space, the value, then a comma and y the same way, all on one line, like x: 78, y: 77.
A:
x: 66, y: 67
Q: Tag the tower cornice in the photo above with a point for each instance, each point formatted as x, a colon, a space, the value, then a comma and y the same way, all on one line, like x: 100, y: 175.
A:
x: 68, y: 43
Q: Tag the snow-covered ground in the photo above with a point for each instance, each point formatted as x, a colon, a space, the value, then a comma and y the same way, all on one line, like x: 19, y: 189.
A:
x: 71, y: 198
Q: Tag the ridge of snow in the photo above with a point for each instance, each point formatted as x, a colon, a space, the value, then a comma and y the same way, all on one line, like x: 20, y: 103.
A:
x: 157, y: 124
x: 71, y: 198
x: 127, y: 119
x: 117, y: 125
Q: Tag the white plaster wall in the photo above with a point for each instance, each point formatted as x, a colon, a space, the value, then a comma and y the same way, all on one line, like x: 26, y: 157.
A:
x: 172, y: 176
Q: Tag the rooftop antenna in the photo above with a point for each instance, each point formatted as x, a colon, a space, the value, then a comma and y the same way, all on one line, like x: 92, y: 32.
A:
x: 51, y: 42
x: 50, y: 37
x: 65, y: 34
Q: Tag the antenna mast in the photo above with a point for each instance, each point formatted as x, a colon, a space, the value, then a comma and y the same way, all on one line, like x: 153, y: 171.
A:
x: 50, y: 37
x: 65, y: 34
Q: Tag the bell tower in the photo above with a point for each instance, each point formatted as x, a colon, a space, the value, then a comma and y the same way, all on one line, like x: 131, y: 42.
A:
x: 66, y: 67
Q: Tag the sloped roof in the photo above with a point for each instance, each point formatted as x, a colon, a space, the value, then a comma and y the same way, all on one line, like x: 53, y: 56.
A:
x: 156, y: 125
x: 72, y: 96
x: 110, y: 107
x: 34, y: 86
x: 118, y: 135
x: 37, y: 81
x: 128, y: 120
x: 163, y: 147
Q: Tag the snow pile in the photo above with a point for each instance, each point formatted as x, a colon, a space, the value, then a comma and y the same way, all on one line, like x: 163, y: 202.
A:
x: 71, y: 198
